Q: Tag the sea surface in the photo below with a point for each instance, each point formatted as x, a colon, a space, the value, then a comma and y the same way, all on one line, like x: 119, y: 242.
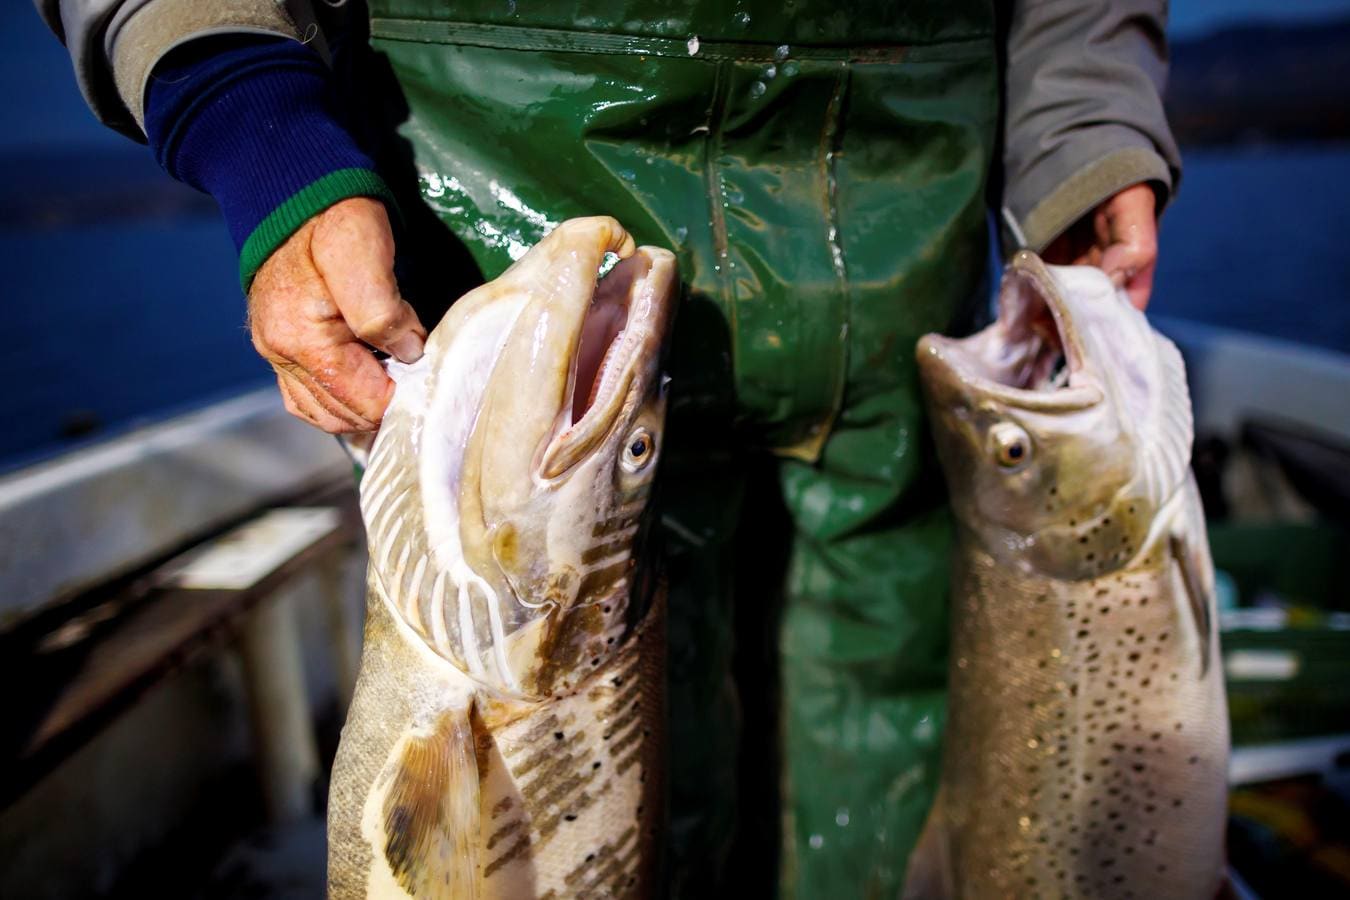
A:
x: 123, y: 304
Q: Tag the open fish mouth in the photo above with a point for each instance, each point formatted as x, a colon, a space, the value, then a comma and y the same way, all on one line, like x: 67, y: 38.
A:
x: 1030, y: 357
x: 617, y: 355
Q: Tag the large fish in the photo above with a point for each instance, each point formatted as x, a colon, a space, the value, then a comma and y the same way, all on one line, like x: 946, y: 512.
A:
x: 1087, y: 741
x: 503, y: 740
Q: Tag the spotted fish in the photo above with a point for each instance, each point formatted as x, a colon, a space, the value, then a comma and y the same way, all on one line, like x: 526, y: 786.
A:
x: 1087, y: 740
x: 504, y: 736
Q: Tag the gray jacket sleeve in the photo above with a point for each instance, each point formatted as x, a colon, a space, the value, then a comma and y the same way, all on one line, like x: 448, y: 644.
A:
x: 115, y: 44
x: 1084, y: 114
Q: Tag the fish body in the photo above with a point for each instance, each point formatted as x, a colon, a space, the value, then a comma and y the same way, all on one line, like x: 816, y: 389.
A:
x: 1087, y: 742
x: 504, y: 737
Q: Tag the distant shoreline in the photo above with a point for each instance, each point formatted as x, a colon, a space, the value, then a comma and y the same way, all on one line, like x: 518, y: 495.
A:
x: 1262, y: 83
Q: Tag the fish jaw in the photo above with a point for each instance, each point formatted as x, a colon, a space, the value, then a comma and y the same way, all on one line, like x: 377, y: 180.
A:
x: 1059, y: 470
x: 560, y: 528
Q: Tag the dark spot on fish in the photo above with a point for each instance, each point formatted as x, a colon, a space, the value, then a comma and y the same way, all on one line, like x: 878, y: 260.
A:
x: 570, y: 817
x: 557, y: 735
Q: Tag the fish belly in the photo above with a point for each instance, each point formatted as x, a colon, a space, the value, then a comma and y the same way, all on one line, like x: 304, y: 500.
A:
x: 566, y: 795
x: 1086, y: 751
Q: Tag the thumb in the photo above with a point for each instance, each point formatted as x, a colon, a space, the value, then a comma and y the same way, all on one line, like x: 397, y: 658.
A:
x: 1131, y: 253
x: 353, y: 249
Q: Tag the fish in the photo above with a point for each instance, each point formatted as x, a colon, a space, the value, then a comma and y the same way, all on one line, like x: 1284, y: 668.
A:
x: 505, y: 737
x: 1086, y: 743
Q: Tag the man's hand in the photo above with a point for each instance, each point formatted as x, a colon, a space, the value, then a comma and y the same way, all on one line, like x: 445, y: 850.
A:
x: 317, y: 298
x: 1120, y: 237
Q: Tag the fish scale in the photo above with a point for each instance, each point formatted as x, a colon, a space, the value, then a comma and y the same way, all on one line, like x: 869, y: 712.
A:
x: 592, y: 756
x: 1071, y: 759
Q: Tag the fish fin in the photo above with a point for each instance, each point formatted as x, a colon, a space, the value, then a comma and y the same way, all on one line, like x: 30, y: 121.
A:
x: 1233, y: 887
x: 431, y: 812
x: 929, y: 873
x: 1197, y: 575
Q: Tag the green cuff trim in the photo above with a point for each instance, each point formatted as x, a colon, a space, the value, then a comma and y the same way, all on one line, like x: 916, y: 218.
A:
x: 1082, y: 191
x: 303, y: 205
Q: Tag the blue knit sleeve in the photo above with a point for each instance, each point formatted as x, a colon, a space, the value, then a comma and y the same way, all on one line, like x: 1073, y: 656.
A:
x: 252, y: 120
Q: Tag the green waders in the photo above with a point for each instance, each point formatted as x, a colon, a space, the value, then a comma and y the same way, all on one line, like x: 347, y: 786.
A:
x: 820, y: 170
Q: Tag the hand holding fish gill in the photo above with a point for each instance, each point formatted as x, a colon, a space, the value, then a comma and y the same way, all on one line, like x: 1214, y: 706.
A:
x: 326, y: 290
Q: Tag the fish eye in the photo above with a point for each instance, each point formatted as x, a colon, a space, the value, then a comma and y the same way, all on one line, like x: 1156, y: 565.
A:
x: 1010, y: 445
x: 640, y: 449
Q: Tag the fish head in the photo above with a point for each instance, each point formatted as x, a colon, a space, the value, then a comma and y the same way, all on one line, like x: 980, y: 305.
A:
x: 569, y: 433
x: 1063, y: 426
x: 537, y: 427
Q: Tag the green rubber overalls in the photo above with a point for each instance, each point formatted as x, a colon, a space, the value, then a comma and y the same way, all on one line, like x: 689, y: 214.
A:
x: 820, y: 170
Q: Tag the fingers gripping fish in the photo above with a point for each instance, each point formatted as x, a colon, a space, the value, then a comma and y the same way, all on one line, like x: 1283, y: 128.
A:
x: 1087, y: 740
x: 503, y: 739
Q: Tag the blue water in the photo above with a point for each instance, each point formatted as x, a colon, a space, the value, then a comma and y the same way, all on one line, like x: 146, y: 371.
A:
x: 1256, y: 241
x: 112, y: 324
x: 123, y: 305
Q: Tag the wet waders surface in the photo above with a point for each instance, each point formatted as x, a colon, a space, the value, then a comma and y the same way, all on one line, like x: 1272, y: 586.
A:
x: 821, y: 175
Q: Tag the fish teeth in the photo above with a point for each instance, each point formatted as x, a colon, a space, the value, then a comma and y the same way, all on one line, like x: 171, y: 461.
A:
x: 387, y: 545
x: 412, y: 605
x: 436, y: 611
x: 468, y: 637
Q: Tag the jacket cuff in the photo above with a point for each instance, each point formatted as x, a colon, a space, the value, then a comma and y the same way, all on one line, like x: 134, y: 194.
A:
x: 302, y: 206
x: 251, y: 121
x: 1082, y: 192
